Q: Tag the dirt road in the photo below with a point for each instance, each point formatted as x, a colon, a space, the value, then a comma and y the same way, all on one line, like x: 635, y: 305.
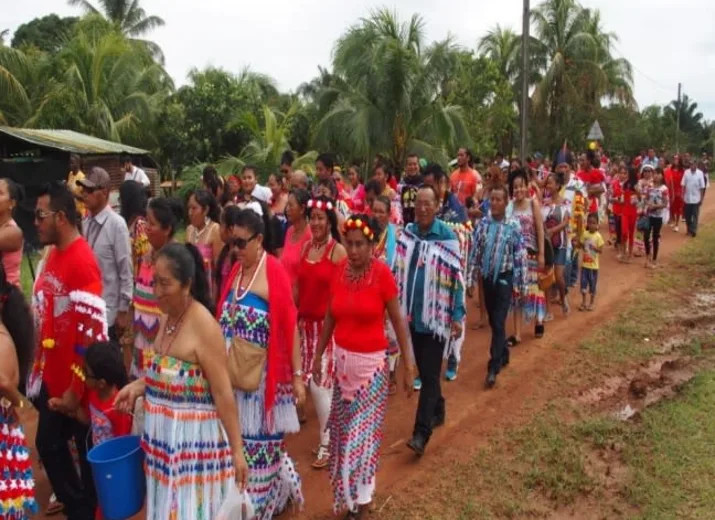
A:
x: 472, y: 412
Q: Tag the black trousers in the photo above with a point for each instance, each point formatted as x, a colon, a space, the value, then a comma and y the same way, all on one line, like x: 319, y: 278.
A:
x: 692, y: 213
x: 428, y: 355
x: 54, y: 431
x: 656, y: 224
x: 497, y: 299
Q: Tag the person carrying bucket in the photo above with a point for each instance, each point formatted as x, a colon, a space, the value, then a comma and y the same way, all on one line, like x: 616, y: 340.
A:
x: 190, y: 409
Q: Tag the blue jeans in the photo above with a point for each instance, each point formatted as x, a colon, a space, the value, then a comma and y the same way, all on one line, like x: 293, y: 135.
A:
x: 589, y: 280
x: 497, y: 300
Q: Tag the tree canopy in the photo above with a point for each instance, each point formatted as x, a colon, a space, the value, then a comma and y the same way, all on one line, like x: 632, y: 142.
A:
x: 387, y: 91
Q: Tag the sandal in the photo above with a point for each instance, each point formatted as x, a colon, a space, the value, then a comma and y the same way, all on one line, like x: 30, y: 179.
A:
x: 548, y: 317
x: 582, y: 307
x: 511, y: 341
x: 539, y: 331
x: 54, y: 507
x: 322, y: 458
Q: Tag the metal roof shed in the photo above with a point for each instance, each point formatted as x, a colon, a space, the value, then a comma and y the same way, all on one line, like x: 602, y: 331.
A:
x: 32, y: 157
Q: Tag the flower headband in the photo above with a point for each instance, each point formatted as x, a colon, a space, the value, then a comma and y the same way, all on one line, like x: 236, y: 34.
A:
x: 320, y: 204
x: 356, y: 223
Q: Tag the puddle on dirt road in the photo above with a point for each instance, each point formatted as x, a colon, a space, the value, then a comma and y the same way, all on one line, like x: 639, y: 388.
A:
x: 623, y: 396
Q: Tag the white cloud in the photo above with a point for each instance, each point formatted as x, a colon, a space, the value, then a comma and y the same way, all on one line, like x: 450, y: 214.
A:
x: 289, y: 39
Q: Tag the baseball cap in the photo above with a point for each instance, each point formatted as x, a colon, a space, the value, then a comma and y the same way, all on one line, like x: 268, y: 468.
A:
x: 97, y: 178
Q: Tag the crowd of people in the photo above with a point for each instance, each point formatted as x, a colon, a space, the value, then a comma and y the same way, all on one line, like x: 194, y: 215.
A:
x: 316, y: 286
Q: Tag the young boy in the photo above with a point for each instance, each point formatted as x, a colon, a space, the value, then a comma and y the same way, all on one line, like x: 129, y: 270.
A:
x: 106, y: 375
x: 592, y: 246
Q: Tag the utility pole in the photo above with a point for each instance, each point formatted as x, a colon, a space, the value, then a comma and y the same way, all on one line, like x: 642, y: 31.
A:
x: 524, y: 79
x: 677, y: 122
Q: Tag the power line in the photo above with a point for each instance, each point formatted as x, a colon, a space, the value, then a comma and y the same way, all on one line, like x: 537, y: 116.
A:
x: 646, y: 76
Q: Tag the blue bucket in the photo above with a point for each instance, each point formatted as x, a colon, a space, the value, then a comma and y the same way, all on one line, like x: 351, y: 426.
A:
x: 118, y: 470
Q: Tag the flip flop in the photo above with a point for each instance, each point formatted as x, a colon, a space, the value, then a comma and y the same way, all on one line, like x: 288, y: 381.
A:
x: 512, y: 341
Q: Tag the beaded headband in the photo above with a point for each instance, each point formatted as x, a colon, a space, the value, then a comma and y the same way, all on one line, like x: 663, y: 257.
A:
x: 356, y: 223
x: 321, y: 204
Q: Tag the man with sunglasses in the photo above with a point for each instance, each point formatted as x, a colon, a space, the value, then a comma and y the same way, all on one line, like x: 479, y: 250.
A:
x: 70, y: 315
x: 108, y: 236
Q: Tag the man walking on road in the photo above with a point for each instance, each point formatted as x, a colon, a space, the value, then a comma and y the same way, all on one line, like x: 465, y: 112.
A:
x: 108, y: 237
x: 70, y: 315
x: 428, y: 270
x: 693, y: 194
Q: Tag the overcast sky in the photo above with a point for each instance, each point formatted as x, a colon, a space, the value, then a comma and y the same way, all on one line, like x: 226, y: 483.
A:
x: 667, y: 41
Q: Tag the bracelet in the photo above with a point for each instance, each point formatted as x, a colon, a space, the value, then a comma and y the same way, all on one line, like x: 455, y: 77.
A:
x: 298, y: 373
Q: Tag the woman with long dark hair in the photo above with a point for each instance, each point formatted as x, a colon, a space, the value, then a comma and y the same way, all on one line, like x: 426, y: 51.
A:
x: 361, y: 293
x: 673, y: 181
x: 190, y: 412
x: 11, y: 239
x: 204, y: 231
x: 256, y: 307
x: 163, y: 218
x: 298, y: 232
x: 17, y: 493
x: 527, y: 211
x: 319, y: 263
x: 132, y: 203
x: 227, y: 257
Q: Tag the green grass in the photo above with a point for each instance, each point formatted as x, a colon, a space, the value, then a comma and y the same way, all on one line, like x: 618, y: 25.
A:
x: 668, y: 455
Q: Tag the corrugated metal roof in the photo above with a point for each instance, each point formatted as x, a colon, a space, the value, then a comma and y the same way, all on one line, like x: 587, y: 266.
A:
x: 70, y: 141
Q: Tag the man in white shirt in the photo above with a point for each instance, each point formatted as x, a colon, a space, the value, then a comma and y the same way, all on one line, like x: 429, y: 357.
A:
x: 132, y: 173
x: 651, y: 159
x: 693, y: 193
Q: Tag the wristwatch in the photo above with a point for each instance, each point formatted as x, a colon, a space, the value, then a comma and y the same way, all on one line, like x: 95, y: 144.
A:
x: 298, y: 373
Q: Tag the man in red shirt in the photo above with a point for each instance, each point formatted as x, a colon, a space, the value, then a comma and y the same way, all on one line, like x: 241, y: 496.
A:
x: 71, y: 315
x: 465, y: 182
x: 593, y: 178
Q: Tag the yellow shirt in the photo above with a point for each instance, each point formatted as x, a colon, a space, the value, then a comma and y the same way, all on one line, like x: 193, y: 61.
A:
x: 591, y: 243
x: 75, y: 188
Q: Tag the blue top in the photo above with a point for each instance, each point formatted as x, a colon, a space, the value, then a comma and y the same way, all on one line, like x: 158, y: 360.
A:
x: 452, y: 210
x: 247, y: 319
x: 390, y: 244
x: 438, y: 231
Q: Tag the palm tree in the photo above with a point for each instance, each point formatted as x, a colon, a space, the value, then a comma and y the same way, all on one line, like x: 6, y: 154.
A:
x: 25, y: 83
x: 579, y: 71
x: 111, y: 87
x: 269, y: 139
x: 690, y: 118
x: 501, y: 45
x: 385, y: 94
x: 129, y: 17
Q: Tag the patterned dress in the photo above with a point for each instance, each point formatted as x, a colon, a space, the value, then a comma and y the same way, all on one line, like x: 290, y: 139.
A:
x: 146, y: 314
x: 273, y: 480
x: 189, y: 465
x: 533, y: 303
x: 17, y: 488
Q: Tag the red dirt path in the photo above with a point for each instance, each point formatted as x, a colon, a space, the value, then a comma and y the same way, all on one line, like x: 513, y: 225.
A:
x: 472, y: 412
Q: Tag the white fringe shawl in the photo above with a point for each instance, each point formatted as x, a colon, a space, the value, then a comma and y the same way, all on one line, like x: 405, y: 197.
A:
x: 443, y: 275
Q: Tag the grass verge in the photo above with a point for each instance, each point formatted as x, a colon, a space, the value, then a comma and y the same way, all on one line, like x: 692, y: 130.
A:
x: 659, y: 466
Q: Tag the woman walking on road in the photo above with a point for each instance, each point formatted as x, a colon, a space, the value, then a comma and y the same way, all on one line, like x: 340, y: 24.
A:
x: 527, y: 211
x: 190, y: 412
x: 318, y: 266
x: 362, y: 291
x: 256, y: 311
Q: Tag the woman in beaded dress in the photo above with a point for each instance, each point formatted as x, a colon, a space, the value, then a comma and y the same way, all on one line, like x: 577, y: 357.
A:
x: 256, y: 304
x: 192, y: 437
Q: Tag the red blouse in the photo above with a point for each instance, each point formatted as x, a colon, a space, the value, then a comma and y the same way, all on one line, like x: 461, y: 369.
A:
x: 314, y: 283
x: 359, y: 309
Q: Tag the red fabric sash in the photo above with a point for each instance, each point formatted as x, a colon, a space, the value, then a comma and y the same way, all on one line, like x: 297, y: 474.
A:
x: 281, y: 329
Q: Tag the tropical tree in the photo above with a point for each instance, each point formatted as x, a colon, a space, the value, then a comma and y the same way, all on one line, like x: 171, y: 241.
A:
x: 386, y: 93
x: 26, y: 81
x: 129, y: 17
x: 269, y: 139
x: 579, y: 72
x: 110, y: 85
x: 48, y: 33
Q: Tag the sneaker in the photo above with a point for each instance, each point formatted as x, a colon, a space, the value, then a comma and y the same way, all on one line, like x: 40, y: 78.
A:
x: 451, y: 372
x: 417, y: 385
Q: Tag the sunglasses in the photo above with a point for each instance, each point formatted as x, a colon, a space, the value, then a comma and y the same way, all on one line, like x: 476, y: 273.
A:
x: 241, y: 243
x: 42, y: 215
